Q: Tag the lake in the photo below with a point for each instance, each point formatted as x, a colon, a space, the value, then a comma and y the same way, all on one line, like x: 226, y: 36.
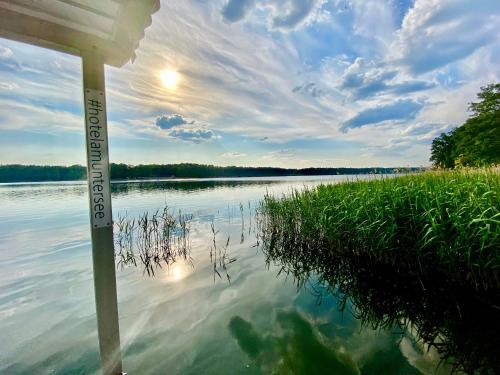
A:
x: 185, y: 319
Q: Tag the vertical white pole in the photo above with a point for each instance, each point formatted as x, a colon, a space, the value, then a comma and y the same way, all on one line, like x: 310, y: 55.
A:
x: 100, y: 213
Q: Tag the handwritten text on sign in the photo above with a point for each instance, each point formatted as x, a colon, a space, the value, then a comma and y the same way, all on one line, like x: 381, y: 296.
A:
x: 97, y: 159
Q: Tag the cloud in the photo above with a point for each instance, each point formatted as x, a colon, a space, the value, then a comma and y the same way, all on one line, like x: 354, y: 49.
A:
x: 373, y: 19
x: 233, y: 155
x: 170, y: 121
x: 35, y: 118
x: 406, y: 109
x: 5, y: 52
x: 407, y: 87
x: 415, y: 134
x: 193, y: 135
x: 8, y: 86
x: 282, y: 14
x: 178, y: 127
x: 292, y: 13
x: 436, y: 33
x: 309, y: 89
x: 365, y: 80
x: 235, y: 10
x: 422, y: 133
x: 425, y: 129
x: 279, y: 155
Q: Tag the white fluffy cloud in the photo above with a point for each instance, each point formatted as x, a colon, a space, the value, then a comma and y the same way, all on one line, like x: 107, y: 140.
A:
x: 435, y: 33
x: 177, y: 127
x: 170, y: 121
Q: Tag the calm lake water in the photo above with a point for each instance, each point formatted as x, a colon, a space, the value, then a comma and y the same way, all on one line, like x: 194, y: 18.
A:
x: 181, y: 321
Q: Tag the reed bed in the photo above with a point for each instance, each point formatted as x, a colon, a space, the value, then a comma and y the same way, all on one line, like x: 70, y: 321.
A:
x: 446, y: 220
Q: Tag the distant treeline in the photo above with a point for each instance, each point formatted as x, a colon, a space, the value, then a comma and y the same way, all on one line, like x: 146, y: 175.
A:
x: 34, y: 173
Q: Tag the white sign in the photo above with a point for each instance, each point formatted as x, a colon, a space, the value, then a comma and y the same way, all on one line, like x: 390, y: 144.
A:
x: 96, y: 134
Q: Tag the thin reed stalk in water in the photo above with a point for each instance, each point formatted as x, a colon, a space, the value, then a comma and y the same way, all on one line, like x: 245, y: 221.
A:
x: 219, y: 257
x: 156, y: 240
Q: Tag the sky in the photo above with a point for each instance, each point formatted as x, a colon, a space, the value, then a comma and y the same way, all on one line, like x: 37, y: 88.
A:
x: 287, y: 83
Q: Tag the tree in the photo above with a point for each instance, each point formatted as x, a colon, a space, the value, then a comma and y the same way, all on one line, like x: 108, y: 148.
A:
x: 477, y: 142
x: 442, y: 151
x: 490, y: 101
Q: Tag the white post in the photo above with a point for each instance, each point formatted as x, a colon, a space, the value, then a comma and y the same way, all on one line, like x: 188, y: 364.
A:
x: 101, y: 221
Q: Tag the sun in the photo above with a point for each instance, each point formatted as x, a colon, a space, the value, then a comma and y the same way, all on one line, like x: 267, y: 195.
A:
x: 169, y: 78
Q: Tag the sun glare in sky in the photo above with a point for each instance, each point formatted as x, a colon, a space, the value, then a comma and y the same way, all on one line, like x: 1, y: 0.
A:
x: 169, y: 78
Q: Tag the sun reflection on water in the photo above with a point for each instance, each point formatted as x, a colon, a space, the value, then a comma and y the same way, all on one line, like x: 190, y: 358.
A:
x: 177, y: 272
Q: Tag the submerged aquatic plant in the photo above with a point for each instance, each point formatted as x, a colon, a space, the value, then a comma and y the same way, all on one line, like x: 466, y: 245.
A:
x: 419, y: 249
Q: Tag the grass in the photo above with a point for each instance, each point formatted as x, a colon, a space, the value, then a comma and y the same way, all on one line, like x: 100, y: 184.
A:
x: 449, y: 220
